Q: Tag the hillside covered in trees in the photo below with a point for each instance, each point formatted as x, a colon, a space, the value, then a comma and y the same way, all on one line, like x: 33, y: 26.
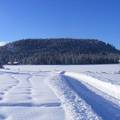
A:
x: 59, y: 51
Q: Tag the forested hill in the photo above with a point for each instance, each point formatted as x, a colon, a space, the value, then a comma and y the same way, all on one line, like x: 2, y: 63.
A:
x: 59, y: 51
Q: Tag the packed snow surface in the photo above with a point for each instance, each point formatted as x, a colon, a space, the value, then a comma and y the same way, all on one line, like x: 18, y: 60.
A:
x: 60, y: 92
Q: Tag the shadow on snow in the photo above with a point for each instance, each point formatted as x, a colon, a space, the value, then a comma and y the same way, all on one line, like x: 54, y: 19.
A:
x: 104, y: 108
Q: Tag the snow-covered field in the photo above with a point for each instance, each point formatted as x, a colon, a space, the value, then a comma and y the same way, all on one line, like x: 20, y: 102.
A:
x: 60, y: 92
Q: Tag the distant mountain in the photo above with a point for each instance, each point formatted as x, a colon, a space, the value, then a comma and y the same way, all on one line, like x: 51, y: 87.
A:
x: 59, y: 51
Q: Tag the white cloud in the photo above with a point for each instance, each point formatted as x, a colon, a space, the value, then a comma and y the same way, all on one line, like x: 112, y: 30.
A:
x: 2, y: 43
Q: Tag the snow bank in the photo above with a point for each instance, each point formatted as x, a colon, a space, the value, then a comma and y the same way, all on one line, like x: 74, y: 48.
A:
x: 106, y: 87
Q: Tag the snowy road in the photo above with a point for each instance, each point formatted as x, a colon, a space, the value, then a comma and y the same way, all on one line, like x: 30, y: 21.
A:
x: 49, y: 94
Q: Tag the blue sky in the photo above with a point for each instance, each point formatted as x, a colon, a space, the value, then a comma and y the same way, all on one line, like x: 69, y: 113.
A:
x: 99, y: 19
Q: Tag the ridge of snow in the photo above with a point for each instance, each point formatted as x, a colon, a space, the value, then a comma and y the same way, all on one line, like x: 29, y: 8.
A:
x: 106, y: 87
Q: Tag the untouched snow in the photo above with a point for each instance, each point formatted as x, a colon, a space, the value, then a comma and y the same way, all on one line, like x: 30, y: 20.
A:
x: 78, y: 92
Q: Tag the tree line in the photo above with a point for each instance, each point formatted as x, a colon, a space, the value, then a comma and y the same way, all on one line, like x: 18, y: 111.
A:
x: 59, y: 51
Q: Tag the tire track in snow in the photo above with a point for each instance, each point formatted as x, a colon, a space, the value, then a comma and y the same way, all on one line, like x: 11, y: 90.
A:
x: 51, y: 104
x: 25, y: 84
x: 74, y: 106
x: 18, y: 90
x: 31, y: 86
x: 4, y: 103
x: 8, y: 88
